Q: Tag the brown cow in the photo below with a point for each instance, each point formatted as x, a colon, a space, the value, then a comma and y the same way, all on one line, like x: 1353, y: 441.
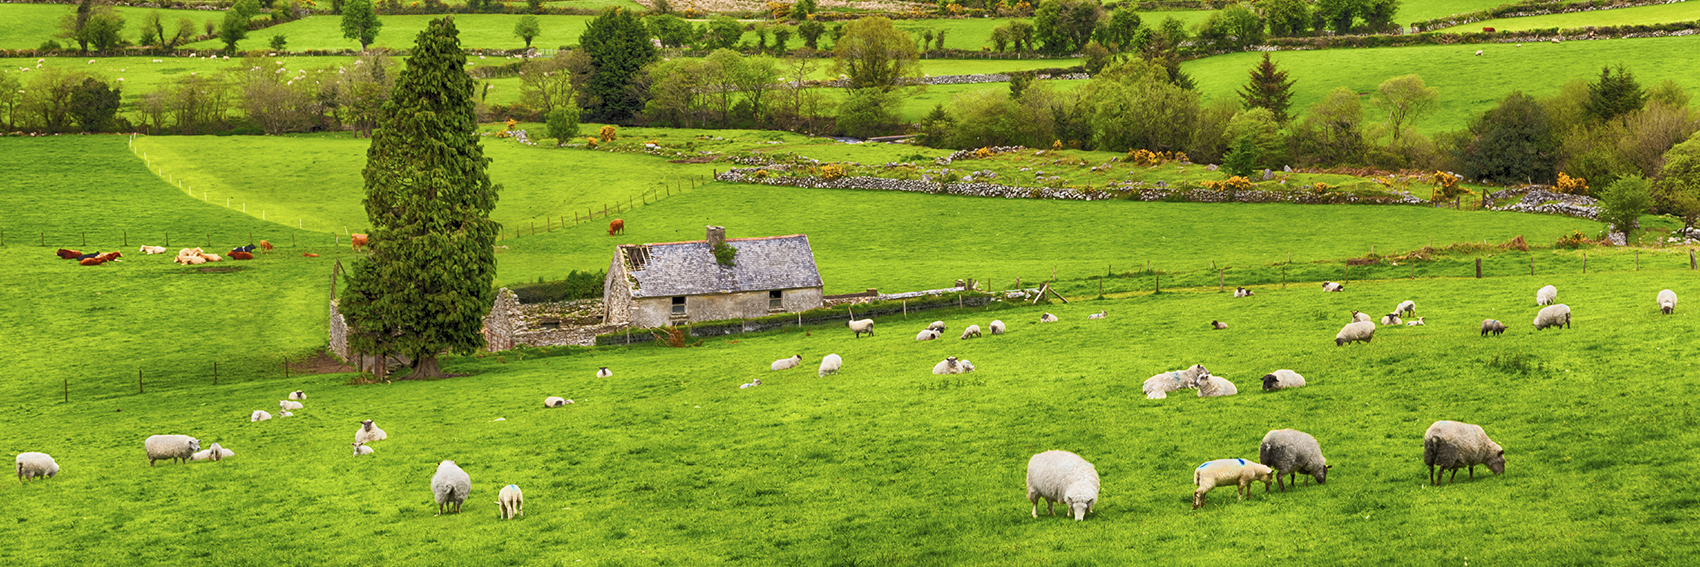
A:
x: 358, y: 240
x: 68, y: 254
x: 310, y: 255
x: 267, y: 246
x: 617, y: 227
x: 96, y: 261
x: 239, y: 255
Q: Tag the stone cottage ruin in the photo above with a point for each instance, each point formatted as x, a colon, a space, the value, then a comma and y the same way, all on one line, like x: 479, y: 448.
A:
x: 673, y: 283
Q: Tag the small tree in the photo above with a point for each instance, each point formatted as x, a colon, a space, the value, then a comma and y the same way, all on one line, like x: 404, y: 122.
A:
x: 875, y: 54
x: 935, y: 128
x: 1097, y: 57
x: 185, y: 32
x: 811, y: 31
x: 1512, y: 143
x: 1287, y: 18
x: 527, y: 28
x: 619, y: 48
x: 1614, y: 95
x: 866, y: 113
x: 94, y: 105
x: 1269, y: 88
x: 153, y: 29
x: 1242, y: 160
x: 235, y: 29
x: 360, y: 22
x: 1405, y: 99
x: 279, y: 42
x: 563, y: 124
x: 1678, y: 188
x: 1623, y: 202
x: 248, y: 8
x: 803, y: 10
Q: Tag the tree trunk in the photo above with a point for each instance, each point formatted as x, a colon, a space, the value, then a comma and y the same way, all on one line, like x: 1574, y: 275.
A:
x: 425, y: 368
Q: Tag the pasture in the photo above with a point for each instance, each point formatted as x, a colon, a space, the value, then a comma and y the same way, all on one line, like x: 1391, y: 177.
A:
x: 27, y: 26
x: 1640, y: 15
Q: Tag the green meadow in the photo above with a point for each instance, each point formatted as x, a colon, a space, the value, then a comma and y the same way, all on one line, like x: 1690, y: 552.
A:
x: 477, y: 31
x: 1640, y: 15
x: 27, y: 26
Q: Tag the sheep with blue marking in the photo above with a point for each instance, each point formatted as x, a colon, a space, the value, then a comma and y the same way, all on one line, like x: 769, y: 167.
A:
x: 511, y: 502
x: 1223, y: 472
x: 1492, y: 326
x: 1406, y: 308
x: 1158, y: 387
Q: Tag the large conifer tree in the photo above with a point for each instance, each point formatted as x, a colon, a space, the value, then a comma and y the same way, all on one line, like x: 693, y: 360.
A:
x: 1269, y: 88
x: 425, y: 288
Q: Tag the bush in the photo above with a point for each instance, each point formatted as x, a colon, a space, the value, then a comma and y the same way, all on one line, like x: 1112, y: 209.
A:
x: 867, y: 113
x: 1570, y: 185
x: 608, y: 133
x: 1624, y: 201
x: 563, y: 124
x: 1446, y: 186
x: 725, y: 255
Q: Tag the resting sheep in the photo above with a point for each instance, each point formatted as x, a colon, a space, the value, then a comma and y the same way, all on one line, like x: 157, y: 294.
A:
x: 259, y: 415
x: 971, y: 331
x: 1451, y: 445
x: 297, y: 395
x: 1243, y: 292
x: 1359, y: 331
x: 1416, y: 323
x: 1047, y: 318
x: 1281, y: 380
x: 1667, y: 301
x: 1290, y: 452
x: 1218, y: 325
x: 604, y: 372
x: 554, y: 402
x: 287, y: 405
x: 213, y: 453
x: 950, y: 365
x: 1360, y: 316
x: 1492, y: 326
x: 1228, y: 471
x: 860, y: 326
x: 31, y: 465
x: 361, y: 449
x: 1332, y: 287
x: 1406, y: 308
x: 174, y: 447
x: 450, y: 485
x: 1158, y: 387
x: 926, y: 335
x: 153, y: 249
x: 1061, y: 476
x: 510, y: 501
x: 1391, y: 319
x: 787, y: 363
x: 936, y: 326
x: 1098, y: 315
x: 369, y: 432
x: 1546, y: 295
x: 830, y: 365
x: 996, y: 327
x: 1557, y: 315
x: 1212, y: 386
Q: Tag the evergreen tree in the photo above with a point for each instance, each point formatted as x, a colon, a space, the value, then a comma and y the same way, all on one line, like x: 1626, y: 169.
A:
x: 1513, y: 143
x: 1269, y: 88
x: 360, y: 22
x: 1614, y: 95
x: 425, y: 287
x: 1242, y: 160
x: 619, y: 47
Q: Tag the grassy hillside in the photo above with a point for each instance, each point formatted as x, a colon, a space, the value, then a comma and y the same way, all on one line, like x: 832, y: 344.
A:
x: 488, y: 31
x: 26, y: 26
x: 1663, y: 13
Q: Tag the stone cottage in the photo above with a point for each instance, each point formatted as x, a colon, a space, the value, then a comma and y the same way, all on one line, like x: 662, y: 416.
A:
x: 673, y: 283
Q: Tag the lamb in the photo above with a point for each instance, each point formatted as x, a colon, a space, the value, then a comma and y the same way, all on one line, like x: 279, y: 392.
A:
x: 1492, y: 326
x: 1098, y: 315
x: 174, y: 447
x: 554, y: 402
x: 1667, y: 301
x: 830, y: 365
x: 451, y: 486
x: 510, y: 501
x: 1332, y: 287
x: 1451, y: 445
x: 1061, y: 476
x: 1158, y: 387
x: 1291, y: 452
x: 287, y: 405
x: 951, y: 366
x: 1406, y: 308
x: 860, y: 326
x: 971, y: 331
x: 1213, y: 386
x: 369, y: 433
x: 1223, y: 471
x: 1243, y: 292
x: 1218, y: 325
x: 1047, y: 318
x: 604, y: 372
x: 753, y: 383
x: 996, y: 327
x: 926, y: 335
x: 285, y: 414
x: 152, y: 249
x: 965, y: 365
x: 213, y: 453
x: 31, y: 465
x: 1391, y: 319
x: 1359, y: 331
x: 1556, y: 315
x: 361, y: 449
x: 259, y: 415
x: 1546, y: 295
x: 1281, y: 380
x: 937, y: 326
x: 297, y: 395
x: 1360, y: 316
x: 787, y: 363
x: 1417, y: 323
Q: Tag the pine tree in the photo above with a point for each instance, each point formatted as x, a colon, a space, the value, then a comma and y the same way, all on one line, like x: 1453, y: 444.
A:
x: 1269, y: 88
x: 425, y: 287
x: 1614, y: 95
x: 619, y: 47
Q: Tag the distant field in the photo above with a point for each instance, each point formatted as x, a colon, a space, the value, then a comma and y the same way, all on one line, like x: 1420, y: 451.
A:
x: 26, y: 26
x: 1419, y: 10
x: 490, y: 31
x: 1659, y: 14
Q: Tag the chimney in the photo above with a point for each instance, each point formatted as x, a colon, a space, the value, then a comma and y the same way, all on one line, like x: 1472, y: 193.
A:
x: 716, y: 236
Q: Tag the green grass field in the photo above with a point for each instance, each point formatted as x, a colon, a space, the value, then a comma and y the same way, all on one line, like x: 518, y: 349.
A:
x: 26, y: 26
x: 488, y: 31
x: 1659, y: 14
x: 1425, y: 9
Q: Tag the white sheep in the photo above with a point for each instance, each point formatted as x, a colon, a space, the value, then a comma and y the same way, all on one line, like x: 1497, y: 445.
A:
x: 937, y: 326
x: 1213, y: 386
x: 1243, y: 292
x: 1333, y: 287
x: 965, y: 365
x: 830, y: 365
x: 369, y: 432
x: 451, y: 486
x: 1359, y: 331
x: 752, y: 384
x: 1406, y: 308
x: 285, y: 414
x: 1418, y: 322
x: 1291, y: 452
x: 950, y: 366
x: 1478, y: 52
x: 259, y: 415
x: 996, y: 327
x: 1218, y: 325
x: 287, y: 405
x: 1047, y: 318
x: 554, y: 402
x: 213, y: 453
x: 1358, y: 316
x: 361, y: 449
x: 1556, y: 315
x: 1228, y: 471
x: 1158, y: 387
x: 297, y: 395
x: 604, y: 372
x: 971, y: 331
x: 174, y: 447
x: 1391, y: 319
x: 152, y: 249
x: 31, y: 465
x: 1546, y: 295
x: 787, y: 363
x: 1099, y: 315
x: 510, y: 502
x: 1667, y: 301
x: 926, y: 335
x: 861, y: 326
x: 1281, y: 380
x: 1451, y: 445
x: 1061, y: 476
x: 1492, y: 326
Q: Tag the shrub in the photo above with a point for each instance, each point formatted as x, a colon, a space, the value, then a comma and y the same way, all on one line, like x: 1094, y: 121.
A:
x: 563, y: 123
x: 831, y: 171
x: 1321, y: 188
x: 590, y: 143
x: 1143, y: 157
x: 577, y: 285
x: 1624, y: 201
x: 1570, y: 185
x: 1233, y: 183
x: 1446, y: 186
x: 1573, y: 241
x: 608, y: 134
x: 725, y: 254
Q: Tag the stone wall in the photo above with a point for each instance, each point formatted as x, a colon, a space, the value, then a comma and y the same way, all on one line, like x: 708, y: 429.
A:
x: 1538, y: 200
x: 502, y: 322
x: 658, y: 311
x: 338, y: 344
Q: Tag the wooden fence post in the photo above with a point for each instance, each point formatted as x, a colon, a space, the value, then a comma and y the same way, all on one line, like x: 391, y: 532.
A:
x: 1478, y: 268
x: 1159, y: 287
x: 67, y: 390
x: 215, y: 373
x: 1691, y: 265
x: 126, y: 237
x: 139, y: 381
x: 1584, y: 263
x: 1283, y: 277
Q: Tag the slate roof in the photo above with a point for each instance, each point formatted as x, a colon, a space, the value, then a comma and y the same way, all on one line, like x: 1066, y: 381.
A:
x: 688, y: 268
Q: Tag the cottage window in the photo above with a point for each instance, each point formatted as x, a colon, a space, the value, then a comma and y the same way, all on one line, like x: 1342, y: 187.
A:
x: 678, y: 306
x: 775, y: 300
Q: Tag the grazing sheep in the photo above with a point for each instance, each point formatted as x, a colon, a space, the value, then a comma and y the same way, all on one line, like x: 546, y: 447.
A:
x: 1556, y: 315
x: 1098, y: 315
x: 1218, y: 325
x: 1333, y: 287
x: 369, y: 433
x: 830, y: 365
x: 1667, y: 301
x: 949, y: 366
x: 174, y: 447
x: 936, y: 326
x: 1158, y: 387
x: 1417, y: 323
x: 1478, y: 52
x: 287, y: 405
x: 604, y: 372
x: 996, y: 327
x: 31, y: 465
x: 297, y: 395
x: 1358, y: 316
x: 1451, y: 445
x: 361, y: 449
x: 510, y: 501
x: 1546, y: 295
x: 554, y: 402
x: 1047, y: 318
x: 971, y: 331
x: 926, y: 335
x: 1061, y: 476
x: 1492, y: 326
x: 1281, y: 380
x: 153, y: 249
x: 451, y: 486
x: 213, y: 453
x: 1213, y: 386
x: 1291, y: 452
x: 1243, y: 292
x: 1406, y: 308
x: 1391, y: 319
x: 259, y: 415
x: 1228, y: 471
x: 860, y: 326
x: 787, y: 363
x: 1359, y: 331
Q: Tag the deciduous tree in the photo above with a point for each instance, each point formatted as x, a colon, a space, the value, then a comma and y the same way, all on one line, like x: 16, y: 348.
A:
x: 1405, y: 99
x: 875, y: 55
x: 527, y: 28
x: 360, y: 22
